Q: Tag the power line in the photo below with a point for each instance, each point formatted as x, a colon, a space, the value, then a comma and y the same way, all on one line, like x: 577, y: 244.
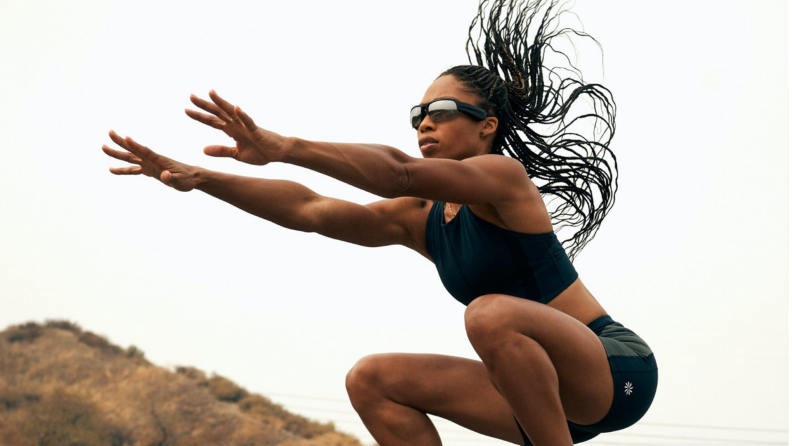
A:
x: 647, y: 436
x: 608, y: 440
x: 597, y: 441
x: 473, y: 434
x: 306, y: 397
x: 345, y: 412
x: 723, y: 440
x: 728, y: 428
x: 604, y: 440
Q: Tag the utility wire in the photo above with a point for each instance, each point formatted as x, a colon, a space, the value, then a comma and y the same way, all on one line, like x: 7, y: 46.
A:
x: 476, y: 436
x: 728, y: 428
x: 723, y: 440
x: 686, y: 426
x: 345, y: 412
x: 669, y: 440
x: 305, y: 397
x: 647, y: 436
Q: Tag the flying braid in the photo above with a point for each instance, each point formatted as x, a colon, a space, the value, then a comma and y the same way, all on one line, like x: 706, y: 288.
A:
x: 564, y: 149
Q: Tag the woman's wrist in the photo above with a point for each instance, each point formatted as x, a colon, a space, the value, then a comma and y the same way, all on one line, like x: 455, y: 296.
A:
x: 287, y: 148
x: 202, y: 177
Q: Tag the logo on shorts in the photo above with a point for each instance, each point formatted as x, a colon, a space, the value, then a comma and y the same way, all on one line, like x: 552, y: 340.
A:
x: 628, y: 388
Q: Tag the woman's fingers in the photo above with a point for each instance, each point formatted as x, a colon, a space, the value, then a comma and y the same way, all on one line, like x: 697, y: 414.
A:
x: 136, y: 149
x: 165, y: 177
x: 131, y: 170
x: 246, y: 120
x: 118, y: 139
x: 143, y: 152
x: 179, y: 176
x: 209, y: 107
x: 226, y: 106
x: 209, y: 120
x: 224, y: 113
x: 123, y: 156
x: 221, y: 151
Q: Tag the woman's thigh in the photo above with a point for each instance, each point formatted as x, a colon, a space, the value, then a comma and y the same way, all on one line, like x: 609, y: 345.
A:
x: 454, y: 388
x: 577, y: 354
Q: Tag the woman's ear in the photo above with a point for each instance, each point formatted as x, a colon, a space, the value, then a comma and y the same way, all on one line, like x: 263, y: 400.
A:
x: 490, y: 126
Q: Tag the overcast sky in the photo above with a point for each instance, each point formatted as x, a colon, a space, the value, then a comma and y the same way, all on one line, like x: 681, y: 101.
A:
x: 693, y: 256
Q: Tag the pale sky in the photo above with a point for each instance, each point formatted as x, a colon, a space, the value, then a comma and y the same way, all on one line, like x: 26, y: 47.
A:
x: 693, y: 256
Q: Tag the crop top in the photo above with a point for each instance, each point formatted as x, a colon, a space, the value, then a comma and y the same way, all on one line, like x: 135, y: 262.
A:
x: 475, y: 257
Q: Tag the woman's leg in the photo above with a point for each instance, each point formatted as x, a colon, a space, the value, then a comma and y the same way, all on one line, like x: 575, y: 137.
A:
x: 547, y: 365
x: 393, y: 392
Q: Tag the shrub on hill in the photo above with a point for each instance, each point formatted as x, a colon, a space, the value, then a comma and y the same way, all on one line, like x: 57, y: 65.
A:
x: 62, y: 385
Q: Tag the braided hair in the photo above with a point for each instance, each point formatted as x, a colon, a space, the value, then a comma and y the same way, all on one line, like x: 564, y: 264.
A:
x: 564, y: 151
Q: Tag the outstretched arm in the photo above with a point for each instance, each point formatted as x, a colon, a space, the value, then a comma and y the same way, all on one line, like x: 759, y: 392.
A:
x: 285, y: 203
x: 294, y: 206
x: 389, y: 172
x: 379, y: 169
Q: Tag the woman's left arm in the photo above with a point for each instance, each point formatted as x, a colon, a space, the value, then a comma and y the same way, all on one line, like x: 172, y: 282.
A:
x: 378, y: 169
x: 391, y: 173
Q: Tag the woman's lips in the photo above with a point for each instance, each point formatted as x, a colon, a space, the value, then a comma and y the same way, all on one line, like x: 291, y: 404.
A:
x: 427, y: 143
x: 427, y: 146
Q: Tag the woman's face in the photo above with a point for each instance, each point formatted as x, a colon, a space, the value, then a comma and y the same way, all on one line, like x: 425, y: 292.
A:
x: 459, y: 137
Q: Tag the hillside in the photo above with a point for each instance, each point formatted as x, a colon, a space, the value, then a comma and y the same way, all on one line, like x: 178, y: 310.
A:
x: 61, y: 385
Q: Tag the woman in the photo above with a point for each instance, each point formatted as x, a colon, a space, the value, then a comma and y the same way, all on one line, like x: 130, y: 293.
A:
x: 555, y: 368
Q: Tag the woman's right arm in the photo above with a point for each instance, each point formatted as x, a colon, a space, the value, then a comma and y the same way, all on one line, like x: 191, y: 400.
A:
x: 285, y: 203
x: 294, y: 206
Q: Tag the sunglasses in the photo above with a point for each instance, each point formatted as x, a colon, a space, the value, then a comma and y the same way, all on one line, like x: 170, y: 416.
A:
x: 444, y: 109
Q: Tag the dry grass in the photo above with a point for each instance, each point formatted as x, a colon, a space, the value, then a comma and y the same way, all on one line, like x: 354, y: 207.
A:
x: 61, y: 385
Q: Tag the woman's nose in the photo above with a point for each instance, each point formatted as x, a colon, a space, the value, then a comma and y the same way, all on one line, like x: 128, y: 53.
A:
x: 426, y: 124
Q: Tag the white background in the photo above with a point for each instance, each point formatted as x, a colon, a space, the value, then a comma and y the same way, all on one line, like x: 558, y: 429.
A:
x: 694, y: 255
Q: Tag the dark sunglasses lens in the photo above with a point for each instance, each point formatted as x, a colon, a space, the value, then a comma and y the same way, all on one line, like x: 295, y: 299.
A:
x: 442, y: 110
x: 416, y: 117
x: 438, y: 111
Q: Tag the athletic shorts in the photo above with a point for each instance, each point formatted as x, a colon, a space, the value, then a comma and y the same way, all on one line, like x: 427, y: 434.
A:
x: 634, y: 373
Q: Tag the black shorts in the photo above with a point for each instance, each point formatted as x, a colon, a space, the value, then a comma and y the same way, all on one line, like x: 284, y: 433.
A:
x: 634, y: 373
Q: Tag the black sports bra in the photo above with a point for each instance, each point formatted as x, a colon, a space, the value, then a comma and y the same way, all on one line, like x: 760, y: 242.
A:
x: 475, y: 257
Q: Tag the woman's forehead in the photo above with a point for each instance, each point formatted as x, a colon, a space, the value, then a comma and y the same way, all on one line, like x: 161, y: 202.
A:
x: 448, y: 86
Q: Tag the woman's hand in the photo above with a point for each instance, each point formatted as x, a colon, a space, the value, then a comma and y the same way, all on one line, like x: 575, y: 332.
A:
x: 254, y: 145
x: 173, y: 173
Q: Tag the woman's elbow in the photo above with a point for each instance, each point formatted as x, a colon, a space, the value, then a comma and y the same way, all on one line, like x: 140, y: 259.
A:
x: 399, y: 185
x: 398, y: 178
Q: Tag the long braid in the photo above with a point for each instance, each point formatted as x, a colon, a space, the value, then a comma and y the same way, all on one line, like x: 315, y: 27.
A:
x: 533, y: 103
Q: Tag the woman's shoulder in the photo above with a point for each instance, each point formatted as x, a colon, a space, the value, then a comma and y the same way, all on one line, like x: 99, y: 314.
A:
x: 499, y: 163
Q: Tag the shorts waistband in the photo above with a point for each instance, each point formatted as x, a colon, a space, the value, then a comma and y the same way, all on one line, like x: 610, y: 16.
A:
x: 599, y: 323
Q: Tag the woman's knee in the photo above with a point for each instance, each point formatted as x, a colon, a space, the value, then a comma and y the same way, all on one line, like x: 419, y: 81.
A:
x: 498, y: 326
x: 486, y: 317
x: 366, y: 376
